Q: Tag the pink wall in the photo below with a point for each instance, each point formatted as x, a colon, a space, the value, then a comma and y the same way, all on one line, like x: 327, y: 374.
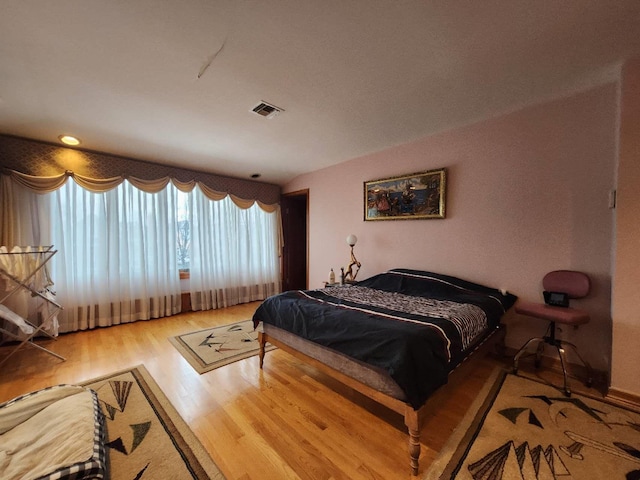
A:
x: 626, y: 327
x: 527, y: 193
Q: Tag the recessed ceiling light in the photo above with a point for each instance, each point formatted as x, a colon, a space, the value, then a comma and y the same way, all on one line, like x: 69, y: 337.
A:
x: 69, y: 140
x: 255, y: 175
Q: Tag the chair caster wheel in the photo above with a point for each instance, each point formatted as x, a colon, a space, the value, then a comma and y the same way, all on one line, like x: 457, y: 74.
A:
x: 567, y: 392
x: 514, y: 370
x: 589, y: 382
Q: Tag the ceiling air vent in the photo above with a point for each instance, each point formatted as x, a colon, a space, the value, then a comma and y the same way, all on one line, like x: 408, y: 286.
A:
x: 266, y: 110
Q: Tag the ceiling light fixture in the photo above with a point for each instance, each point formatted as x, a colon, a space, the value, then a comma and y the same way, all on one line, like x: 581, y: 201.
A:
x: 255, y: 175
x: 69, y: 140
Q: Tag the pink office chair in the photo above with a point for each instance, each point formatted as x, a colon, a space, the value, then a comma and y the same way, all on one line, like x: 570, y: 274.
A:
x: 559, y: 286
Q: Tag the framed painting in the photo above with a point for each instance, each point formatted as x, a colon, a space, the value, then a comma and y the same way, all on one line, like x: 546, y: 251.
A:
x: 415, y: 196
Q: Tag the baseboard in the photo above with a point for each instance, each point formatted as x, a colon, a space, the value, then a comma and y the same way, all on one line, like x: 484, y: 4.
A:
x: 626, y: 399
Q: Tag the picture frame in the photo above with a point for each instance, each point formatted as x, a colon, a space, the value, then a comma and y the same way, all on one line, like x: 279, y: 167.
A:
x: 407, y: 197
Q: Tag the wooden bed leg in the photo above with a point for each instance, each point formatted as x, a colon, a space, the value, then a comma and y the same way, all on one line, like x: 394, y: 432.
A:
x: 262, y: 341
x: 412, y: 421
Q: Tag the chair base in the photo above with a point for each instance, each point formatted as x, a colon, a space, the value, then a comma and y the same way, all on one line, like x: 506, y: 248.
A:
x: 560, y: 347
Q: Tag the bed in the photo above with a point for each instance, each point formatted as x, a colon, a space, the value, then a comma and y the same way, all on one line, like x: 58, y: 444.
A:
x: 395, y: 337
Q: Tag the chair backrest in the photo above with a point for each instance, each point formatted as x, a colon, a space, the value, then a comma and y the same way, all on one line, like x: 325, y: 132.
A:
x: 574, y: 284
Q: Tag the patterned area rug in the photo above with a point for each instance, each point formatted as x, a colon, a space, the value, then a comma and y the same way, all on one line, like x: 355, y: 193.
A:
x: 523, y: 429
x: 211, y: 348
x: 147, y: 438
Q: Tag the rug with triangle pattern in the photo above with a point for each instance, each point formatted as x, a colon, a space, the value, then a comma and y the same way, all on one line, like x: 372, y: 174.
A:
x: 215, y: 347
x: 146, y: 437
x: 523, y: 429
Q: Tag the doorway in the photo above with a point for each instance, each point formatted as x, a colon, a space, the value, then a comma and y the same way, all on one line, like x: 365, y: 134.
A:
x: 295, y: 228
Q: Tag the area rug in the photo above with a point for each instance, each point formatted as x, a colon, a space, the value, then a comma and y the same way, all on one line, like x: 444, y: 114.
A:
x: 147, y: 438
x: 523, y: 429
x: 214, y: 347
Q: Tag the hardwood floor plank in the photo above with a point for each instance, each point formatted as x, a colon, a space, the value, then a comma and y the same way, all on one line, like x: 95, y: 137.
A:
x: 288, y: 421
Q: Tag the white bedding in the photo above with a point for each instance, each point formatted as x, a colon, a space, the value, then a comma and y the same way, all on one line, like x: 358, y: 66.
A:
x: 46, y: 431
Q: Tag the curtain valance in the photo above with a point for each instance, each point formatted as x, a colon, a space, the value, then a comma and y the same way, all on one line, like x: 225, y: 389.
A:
x: 51, y: 183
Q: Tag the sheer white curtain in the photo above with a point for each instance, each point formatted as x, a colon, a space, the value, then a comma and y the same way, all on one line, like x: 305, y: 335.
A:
x: 118, y: 245
x: 22, y: 214
x: 116, y: 260
x: 117, y: 255
x: 16, y: 203
x: 234, y: 253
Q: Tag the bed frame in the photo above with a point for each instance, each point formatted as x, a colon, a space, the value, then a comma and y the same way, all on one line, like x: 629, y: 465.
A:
x: 413, y: 419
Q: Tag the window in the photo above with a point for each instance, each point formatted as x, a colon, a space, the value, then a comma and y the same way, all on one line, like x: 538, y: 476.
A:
x: 183, y: 233
x: 120, y: 250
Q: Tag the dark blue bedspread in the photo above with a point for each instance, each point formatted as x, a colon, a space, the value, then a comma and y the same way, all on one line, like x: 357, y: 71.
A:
x: 415, y: 325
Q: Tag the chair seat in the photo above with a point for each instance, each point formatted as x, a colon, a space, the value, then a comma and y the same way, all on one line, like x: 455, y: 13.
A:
x: 569, y: 316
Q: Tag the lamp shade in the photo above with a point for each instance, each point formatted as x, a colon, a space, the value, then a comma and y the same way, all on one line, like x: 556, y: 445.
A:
x: 352, y: 239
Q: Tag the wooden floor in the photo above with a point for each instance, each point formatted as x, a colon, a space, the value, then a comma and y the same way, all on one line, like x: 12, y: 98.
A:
x: 287, y: 421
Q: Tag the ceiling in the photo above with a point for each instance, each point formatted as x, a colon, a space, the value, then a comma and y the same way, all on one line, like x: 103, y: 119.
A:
x: 174, y: 81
